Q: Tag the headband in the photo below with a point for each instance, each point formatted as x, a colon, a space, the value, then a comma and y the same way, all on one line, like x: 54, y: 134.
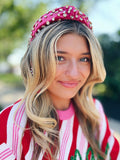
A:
x: 62, y: 13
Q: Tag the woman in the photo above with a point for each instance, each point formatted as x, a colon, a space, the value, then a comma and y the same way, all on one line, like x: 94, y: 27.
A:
x: 58, y: 118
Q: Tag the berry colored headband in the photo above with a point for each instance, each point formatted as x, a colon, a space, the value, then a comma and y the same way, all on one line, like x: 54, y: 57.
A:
x: 62, y: 13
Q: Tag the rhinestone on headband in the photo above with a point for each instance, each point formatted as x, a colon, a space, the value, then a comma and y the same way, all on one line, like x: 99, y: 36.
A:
x: 62, y: 13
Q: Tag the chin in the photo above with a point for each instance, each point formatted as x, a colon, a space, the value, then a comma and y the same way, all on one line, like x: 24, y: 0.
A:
x: 69, y: 96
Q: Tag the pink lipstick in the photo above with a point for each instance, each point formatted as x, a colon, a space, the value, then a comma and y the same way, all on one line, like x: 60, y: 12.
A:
x: 68, y: 84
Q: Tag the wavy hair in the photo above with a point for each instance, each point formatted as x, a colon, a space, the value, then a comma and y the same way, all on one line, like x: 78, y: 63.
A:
x: 40, y: 60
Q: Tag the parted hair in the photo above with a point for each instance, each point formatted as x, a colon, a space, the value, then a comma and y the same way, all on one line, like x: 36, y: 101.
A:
x: 38, y: 68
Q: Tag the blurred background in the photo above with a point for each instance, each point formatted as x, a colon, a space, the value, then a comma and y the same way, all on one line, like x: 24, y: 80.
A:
x: 16, y: 20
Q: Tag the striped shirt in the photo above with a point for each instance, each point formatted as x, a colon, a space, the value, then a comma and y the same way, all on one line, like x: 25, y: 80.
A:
x: 17, y: 143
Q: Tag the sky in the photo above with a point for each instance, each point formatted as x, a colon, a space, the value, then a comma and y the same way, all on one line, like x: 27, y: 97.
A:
x: 105, y: 16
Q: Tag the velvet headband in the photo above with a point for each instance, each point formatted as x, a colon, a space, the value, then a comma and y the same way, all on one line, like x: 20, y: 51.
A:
x: 62, y: 13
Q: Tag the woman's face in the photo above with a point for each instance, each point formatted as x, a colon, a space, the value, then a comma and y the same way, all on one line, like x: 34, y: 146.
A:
x: 73, y: 67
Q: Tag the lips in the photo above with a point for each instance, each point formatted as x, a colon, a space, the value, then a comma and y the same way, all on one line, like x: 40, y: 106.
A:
x: 68, y: 84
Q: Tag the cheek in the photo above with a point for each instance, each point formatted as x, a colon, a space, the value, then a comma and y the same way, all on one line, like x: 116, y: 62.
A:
x: 88, y: 71
x: 85, y: 71
x: 60, y: 70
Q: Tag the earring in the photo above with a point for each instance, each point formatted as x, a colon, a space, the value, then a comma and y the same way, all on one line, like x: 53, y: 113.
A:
x: 31, y: 70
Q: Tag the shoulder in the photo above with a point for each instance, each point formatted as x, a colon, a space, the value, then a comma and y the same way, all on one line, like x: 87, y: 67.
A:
x: 98, y: 104
x: 99, y: 107
x: 6, y: 111
x: 102, y: 117
x: 108, y: 142
x: 4, y: 114
x: 13, y: 122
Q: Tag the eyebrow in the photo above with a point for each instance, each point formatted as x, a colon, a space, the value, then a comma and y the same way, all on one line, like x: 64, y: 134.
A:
x: 64, y: 52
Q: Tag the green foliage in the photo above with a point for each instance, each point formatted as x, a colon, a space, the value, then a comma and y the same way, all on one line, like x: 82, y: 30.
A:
x: 0, y: 108
x: 111, y: 49
x: 15, y: 23
x: 11, y: 79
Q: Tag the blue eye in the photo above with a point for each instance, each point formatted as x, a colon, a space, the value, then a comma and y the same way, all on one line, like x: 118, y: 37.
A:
x: 60, y: 58
x: 85, y: 59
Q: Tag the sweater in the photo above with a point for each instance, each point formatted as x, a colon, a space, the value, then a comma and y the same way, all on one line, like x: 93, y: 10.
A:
x: 17, y: 143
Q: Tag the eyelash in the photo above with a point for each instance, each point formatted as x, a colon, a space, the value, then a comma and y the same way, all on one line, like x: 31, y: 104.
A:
x: 57, y: 58
x: 84, y: 59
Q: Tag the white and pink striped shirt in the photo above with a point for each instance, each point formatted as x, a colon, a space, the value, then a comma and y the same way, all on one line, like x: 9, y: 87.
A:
x: 17, y: 143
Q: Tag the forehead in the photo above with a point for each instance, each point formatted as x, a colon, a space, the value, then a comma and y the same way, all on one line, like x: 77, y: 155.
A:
x: 72, y: 36
x: 74, y: 42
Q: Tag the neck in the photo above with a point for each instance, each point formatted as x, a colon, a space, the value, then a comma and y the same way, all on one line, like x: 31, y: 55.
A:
x: 60, y: 104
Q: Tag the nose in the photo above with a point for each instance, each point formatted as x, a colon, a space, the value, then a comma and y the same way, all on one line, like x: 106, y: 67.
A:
x: 73, y: 70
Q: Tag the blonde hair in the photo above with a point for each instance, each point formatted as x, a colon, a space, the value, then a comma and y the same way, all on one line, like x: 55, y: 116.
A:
x: 40, y: 58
